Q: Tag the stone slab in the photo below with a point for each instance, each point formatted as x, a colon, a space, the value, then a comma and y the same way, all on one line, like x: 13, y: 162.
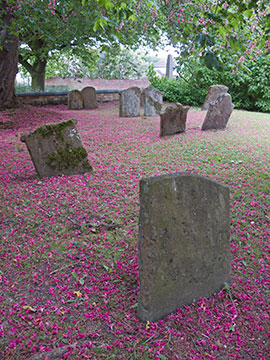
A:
x: 89, y: 97
x: 57, y: 149
x: 214, y: 92
x: 218, y: 113
x: 173, y: 119
x: 169, y: 67
x: 184, y: 242
x: 130, y: 102
x: 153, y: 100
x: 75, y: 100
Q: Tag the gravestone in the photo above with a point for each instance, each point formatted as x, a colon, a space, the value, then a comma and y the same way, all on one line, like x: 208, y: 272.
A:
x: 218, y: 113
x: 75, y: 100
x: 153, y: 101
x: 169, y: 67
x: 173, y: 119
x: 89, y: 97
x: 57, y: 149
x: 130, y: 102
x: 214, y: 92
x: 184, y: 247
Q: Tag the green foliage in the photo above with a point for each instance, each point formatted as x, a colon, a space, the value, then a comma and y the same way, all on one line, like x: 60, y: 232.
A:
x: 121, y: 63
x: 249, y: 85
x: 47, y: 30
x: 216, y: 29
x: 176, y: 90
x: 72, y: 63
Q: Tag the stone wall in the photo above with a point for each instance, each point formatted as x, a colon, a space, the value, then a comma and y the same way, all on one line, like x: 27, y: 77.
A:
x: 61, y: 97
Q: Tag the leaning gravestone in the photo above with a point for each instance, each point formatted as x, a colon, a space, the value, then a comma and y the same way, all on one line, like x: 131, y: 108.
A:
x: 89, y: 97
x: 130, y: 102
x: 214, y: 92
x: 218, y: 113
x: 57, y: 149
x: 184, y: 248
x: 173, y: 119
x: 153, y: 101
x: 75, y: 100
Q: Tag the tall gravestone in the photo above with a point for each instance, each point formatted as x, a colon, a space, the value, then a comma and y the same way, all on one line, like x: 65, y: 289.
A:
x: 214, y: 92
x: 57, y: 149
x: 153, y: 101
x: 218, y: 114
x: 173, y: 119
x: 75, y: 100
x: 89, y: 97
x: 169, y: 67
x: 130, y: 100
x: 184, y: 248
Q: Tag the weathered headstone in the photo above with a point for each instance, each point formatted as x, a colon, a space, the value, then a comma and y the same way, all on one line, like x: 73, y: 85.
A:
x: 169, y: 67
x: 214, y: 92
x: 153, y: 101
x: 130, y: 102
x: 173, y: 119
x: 218, y: 113
x: 57, y: 149
x: 184, y: 248
x: 89, y: 97
x: 75, y: 100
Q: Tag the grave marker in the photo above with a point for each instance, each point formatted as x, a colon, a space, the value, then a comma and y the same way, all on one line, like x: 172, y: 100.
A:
x: 75, y: 100
x: 214, y: 92
x: 153, y: 100
x: 218, y: 113
x: 184, y: 248
x: 169, y: 67
x: 89, y: 97
x: 57, y: 149
x: 130, y: 102
x: 173, y: 119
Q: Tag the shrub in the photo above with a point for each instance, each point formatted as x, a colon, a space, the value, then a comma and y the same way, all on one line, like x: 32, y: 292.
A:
x: 249, y: 85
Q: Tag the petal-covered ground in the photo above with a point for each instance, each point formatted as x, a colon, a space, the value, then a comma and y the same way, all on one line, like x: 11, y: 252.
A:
x: 68, y: 248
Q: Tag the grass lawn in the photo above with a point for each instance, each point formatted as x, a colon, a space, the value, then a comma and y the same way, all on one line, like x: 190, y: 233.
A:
x: 68, y: 245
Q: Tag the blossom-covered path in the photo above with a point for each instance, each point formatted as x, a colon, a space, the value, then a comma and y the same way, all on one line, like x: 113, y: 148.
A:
x: 68, y: 248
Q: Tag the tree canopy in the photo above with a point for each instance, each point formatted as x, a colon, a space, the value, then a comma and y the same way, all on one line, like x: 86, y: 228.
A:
x: 213, y: 29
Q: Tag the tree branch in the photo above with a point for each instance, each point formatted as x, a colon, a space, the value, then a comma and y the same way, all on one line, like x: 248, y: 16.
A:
x: 25, y: 64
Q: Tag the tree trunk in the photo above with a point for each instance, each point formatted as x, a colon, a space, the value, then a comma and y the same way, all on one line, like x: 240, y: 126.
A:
x: 38, y: 75
x: 8, y: 59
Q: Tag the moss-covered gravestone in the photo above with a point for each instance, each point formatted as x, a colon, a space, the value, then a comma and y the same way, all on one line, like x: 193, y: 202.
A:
x: 184, y: 242
x: 57, y: 149
x: 153, y: 100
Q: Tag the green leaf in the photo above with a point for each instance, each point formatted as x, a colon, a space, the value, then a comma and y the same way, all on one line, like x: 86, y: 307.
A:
x: 81, y: 281
x: 96, y: 25
x: 234, y: 43
x: 211, y: 61
x: 132, y: 18
x: 227, y: 286
x: 134, y: 306
x: 248, y: 13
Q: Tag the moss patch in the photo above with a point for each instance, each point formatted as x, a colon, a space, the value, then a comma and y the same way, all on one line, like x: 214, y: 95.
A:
x: 57, y: 129
x: 68, y: 157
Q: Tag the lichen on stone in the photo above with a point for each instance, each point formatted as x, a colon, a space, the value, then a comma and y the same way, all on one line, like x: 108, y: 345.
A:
x: 64, y: 158
x: 54, y: 129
